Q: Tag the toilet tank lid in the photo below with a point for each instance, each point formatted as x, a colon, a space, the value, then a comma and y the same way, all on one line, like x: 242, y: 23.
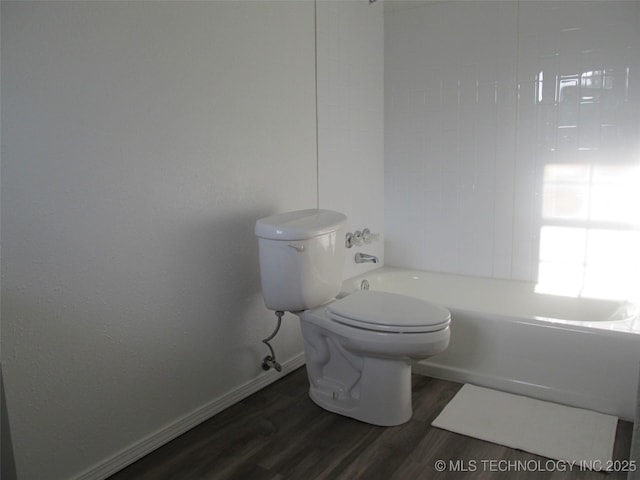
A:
x: 300, y: 224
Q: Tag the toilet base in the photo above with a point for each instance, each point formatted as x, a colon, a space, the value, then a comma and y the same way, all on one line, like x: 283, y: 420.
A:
x: 382, y: 396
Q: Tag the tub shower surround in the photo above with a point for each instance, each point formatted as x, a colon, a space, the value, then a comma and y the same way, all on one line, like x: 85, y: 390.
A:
x: 511, y: 126
x: 574, y: 351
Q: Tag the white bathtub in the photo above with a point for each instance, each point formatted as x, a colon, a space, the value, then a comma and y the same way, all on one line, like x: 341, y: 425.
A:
x: 575, y: 351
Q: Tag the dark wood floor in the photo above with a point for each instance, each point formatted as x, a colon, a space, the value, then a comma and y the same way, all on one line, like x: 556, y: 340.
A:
x: 279, y: 433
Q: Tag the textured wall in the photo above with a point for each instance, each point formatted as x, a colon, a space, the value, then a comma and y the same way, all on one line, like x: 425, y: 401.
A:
x: 141, y: 141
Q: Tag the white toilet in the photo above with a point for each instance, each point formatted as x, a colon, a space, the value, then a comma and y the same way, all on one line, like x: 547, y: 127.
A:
x: 358, y: 349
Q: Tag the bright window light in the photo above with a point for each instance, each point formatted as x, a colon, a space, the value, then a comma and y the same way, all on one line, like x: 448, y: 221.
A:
x: 590, y: 236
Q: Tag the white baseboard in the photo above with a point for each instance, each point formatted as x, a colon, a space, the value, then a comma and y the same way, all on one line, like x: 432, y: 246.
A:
x: 152, y: 442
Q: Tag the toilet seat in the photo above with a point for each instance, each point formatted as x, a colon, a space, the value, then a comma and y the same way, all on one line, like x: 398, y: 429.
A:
x: 388, y: 312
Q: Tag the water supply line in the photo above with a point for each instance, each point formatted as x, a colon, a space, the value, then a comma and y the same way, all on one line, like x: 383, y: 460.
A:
x: 270, y: 360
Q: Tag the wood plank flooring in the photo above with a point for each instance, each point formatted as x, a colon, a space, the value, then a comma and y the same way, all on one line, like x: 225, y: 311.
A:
x: 279, y: 433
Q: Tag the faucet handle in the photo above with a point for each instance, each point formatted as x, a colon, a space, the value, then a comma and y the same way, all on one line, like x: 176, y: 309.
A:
x: 348, y: 240
x: 358, y: 237
x: 353, y: 239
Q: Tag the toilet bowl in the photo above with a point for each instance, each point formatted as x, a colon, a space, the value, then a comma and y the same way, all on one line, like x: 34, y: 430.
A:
x: 358, y: 349
x: 359, y: 352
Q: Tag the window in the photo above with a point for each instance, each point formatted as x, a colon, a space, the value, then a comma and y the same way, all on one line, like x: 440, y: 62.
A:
x: 590, y: 234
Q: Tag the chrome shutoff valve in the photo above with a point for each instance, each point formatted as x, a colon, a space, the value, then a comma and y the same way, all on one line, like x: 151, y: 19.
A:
x: 269, y: 362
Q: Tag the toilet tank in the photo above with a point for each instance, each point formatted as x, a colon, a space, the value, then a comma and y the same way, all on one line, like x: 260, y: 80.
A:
x: 301, y: 258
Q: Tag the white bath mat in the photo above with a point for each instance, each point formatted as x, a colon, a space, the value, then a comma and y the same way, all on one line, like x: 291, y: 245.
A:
x: 542, y: 428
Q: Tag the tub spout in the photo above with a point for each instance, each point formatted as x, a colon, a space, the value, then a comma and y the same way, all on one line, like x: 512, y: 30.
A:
x: 365, y: 257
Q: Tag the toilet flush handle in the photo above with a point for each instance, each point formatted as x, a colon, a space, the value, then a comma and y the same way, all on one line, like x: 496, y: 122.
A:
x: 299, y: 248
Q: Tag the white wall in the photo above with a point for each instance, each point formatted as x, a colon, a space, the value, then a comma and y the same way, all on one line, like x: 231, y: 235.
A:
x: 470, y: 125
x: 141, y: 141
x: 351, y: 118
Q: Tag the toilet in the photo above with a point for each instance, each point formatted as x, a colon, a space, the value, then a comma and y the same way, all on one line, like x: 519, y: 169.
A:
x: 359, y: 348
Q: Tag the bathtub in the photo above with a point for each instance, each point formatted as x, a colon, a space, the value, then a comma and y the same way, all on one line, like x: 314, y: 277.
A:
x: 575, y: 351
